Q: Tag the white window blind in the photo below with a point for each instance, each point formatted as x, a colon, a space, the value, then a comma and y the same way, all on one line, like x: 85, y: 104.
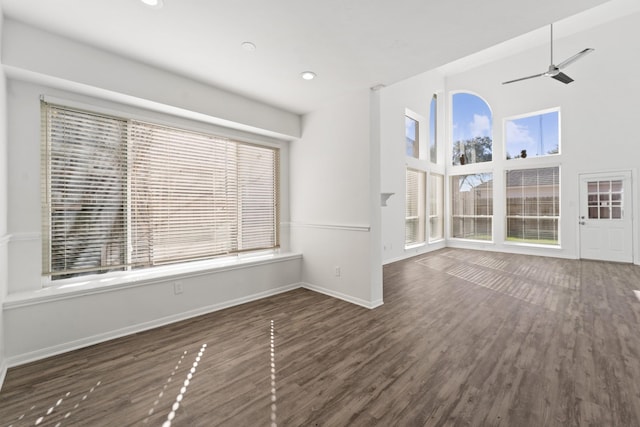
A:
x: 126, y: 194
x: 415, y: 221
x: 533, y: 205
x: 436, y: 207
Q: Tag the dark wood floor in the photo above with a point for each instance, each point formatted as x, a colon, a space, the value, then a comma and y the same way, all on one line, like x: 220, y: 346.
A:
x: 464, y: 338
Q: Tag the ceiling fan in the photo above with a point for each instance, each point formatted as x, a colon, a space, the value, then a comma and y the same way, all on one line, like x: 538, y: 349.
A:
x: 554, y: 71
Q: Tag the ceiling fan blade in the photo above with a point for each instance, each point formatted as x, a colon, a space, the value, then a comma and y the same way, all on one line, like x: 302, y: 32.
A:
x: 575, y: 57
x: 524, y: 78
x: 562, y: 77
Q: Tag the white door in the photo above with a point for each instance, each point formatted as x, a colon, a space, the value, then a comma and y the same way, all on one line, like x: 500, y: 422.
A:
x: 606, y: 228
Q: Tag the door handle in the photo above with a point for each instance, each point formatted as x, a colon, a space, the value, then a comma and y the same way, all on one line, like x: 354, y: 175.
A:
x: 581, y: 223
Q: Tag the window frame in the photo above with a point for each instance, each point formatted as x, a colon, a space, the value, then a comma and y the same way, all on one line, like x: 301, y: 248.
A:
x: 452, y: 161
x: 415, y: 146
x: 433, y: 130
x: 526, y: 115
x: 453, y: 215
x: 557, y: 218
x: 421, y: 135
x: 421, y: 217
x: 184, y: 124
x: 439, y: 205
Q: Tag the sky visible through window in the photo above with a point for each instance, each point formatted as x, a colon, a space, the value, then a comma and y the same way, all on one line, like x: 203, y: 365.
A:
x: 538, y: 134
x: 433, y: 144
x: 471, y: 117
x: 411, y: 137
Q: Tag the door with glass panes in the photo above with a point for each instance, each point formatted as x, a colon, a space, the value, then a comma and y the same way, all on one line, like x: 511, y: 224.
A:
x: 606, y: 227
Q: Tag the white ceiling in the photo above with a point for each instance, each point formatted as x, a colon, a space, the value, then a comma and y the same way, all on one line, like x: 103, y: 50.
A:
x: 350, y: 44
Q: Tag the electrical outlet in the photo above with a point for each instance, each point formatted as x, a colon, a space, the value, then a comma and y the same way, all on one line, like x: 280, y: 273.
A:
x: 177, y: 288
x: 337, y: 271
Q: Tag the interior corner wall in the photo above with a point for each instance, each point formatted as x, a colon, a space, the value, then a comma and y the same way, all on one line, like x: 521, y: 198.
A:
x: 330, y: 195
x: 414, y: 94
x: 599, y: 115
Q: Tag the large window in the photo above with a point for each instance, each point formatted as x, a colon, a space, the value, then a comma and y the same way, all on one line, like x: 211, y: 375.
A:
x: 533, y: 135
x: 122, y: 194
x: 471, y: 131
x: 533, y: 205
x: 472, y: 206
x: 436, y: 207
x: 415, y: 221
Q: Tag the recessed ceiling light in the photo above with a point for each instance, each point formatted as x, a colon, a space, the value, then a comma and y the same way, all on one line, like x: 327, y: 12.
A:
x: 153, y: 3
x: 248, y: 46
x: 308, y: 75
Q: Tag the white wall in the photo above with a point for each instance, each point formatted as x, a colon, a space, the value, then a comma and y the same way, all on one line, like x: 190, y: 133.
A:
x: 3, y: 203
x: 415, y: 95
x: 598, y: 116
x: 50, y: 324
x: 40, y: 322
x: 331, y: 193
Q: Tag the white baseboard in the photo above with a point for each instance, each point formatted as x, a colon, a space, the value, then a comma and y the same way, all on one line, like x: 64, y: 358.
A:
x: 3, y: 372
x: 118, y: 333
x: 141, y: 327
x: 344, y: 297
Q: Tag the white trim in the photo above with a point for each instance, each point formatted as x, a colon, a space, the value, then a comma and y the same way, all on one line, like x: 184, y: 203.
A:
x: 434, y: 246
x: 344, y: 297
x: 118, y: 333
x: 345, y: 227
x: 144, y: 278
x: 532, y: 114
x: 532, y: 245
x: 3, y: 372
x: 413, y: 246
x: 4, y: 240
x: 398, y: 258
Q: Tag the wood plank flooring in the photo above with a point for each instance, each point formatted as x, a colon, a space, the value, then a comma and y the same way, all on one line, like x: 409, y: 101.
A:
x: 465, y: 338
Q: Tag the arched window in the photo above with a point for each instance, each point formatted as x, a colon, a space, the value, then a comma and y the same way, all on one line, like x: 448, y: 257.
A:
x: 471, y: 132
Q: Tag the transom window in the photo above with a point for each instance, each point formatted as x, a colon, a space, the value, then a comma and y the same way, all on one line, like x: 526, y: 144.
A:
x: 122, y: 194
x: 412, y: 141
x: 533, y: 135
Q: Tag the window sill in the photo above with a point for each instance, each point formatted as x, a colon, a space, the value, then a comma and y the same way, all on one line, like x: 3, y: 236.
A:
x: 532, y: 245
x: 126, y: 280
x: 414, y: 246
x: 463, y: 239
